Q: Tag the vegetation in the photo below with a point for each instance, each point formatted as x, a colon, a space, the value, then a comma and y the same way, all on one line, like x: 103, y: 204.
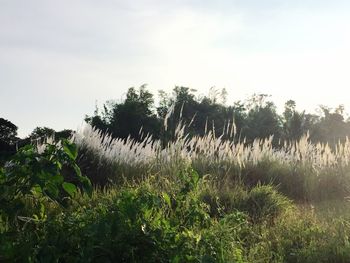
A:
x: 256, y: 117
x: 182, y: 191
x: 183, y: 217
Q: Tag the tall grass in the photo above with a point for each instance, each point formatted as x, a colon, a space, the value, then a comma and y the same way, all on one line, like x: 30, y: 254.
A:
x: 301, y: 169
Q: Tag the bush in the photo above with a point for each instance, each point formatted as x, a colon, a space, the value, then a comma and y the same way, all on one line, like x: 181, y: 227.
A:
x: 29, y: 183
x: 223, y: 199
x: 261, y: 203
x: 264, y: 203
x: 136, y: 224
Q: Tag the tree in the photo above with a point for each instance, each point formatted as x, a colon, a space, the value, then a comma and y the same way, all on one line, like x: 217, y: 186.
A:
x: 201, y: 115
x: 8, y: 137
x: 293, y: 122
x: 63, y: 134
x: 182, y: 106
x: 255, y: 118
x: 135, y: 113
x: 101, y: 121
x: 40, y: 133
x: 262, y: 119
x: 127, y: 118
x: 331, y: 126
x: 8, y: 131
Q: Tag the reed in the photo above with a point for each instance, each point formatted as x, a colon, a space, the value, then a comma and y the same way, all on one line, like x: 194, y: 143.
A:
x: 291, y: 165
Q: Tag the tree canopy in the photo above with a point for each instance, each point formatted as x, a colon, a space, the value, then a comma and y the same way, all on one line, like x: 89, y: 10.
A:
x: 8, y: 131
x: 256, y: 117
x: 131, y: 117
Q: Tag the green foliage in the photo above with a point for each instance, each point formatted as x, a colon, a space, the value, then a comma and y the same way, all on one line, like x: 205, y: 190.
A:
x: 183, y: 219
x: 294, y: 122
x: 35, y: 175
x: 40, y: 133
x: 262, y: 119
x: 297, y: 181
x: 254, y: 118
x: 262, y: 203
x: 127, y: 118
x: 8, y: 137
x: 301, y: 182
x: 237, y: 213
x: 137, y: 224
x: 8, y: 131
x: 300, y: 237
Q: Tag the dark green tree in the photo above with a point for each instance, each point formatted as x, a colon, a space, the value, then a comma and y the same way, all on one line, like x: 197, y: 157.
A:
x: 40, y: 133
x: 135, y: 113
x: 126, y: 119
x: 262, y: 119
x: 8, y: 138
x: 293, y: 122
x: 200, y: 114
x: 180, y: 106
x: 101, y: 121
x: 255, y: 118
x: 8, y: 131
x: 331, y: 126
x: 63, y: 134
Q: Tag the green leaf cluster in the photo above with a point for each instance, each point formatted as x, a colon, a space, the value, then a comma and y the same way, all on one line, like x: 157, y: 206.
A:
x: 51, y: 175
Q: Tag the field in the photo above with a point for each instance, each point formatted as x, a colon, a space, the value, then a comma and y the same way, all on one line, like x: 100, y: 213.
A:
x: 196, y: 199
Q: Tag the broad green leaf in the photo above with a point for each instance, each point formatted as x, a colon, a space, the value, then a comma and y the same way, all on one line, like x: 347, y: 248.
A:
x: 70, y: 149
x: 69, y: 188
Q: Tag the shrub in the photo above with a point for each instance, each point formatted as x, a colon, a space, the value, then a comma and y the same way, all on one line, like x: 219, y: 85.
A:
x: 261, y: 203
x: 142, y: 223
x: 30, y: 181
x: 264, y: 203
x: 223, y: 199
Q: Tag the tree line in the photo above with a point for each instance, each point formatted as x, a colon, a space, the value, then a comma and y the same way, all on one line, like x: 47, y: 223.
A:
x: 256, y: 117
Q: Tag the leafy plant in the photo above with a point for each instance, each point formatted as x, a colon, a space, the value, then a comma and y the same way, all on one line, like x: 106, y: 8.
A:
x: 38, y: 173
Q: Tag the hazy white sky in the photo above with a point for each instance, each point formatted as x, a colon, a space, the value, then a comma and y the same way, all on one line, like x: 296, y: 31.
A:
x: 58, y: 57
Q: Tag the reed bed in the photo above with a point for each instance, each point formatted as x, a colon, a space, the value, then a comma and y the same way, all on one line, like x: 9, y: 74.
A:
x: 296, y: 164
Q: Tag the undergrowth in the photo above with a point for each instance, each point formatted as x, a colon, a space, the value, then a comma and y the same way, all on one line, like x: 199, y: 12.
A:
x: 179, y: 210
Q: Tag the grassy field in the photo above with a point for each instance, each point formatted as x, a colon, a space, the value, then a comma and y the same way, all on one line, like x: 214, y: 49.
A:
x: 194, y: 200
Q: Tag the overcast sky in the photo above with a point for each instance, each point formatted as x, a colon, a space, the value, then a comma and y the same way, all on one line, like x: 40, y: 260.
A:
x: 57, y: 58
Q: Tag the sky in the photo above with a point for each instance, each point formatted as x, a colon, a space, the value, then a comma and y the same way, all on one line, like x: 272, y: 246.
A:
x: 59, y: 58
